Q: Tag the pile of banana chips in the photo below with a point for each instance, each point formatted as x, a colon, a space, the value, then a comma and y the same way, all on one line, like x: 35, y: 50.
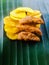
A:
x: 23, y: 23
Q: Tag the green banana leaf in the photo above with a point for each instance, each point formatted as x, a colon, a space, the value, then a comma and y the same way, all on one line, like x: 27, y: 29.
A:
x: 24, y: 52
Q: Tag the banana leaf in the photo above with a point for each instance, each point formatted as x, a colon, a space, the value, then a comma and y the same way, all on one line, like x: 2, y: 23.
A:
x: 24, y: 52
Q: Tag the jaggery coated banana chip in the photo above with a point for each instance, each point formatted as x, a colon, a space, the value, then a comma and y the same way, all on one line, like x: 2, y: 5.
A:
x: 23, y: 36
x: 28, y: 36
x: 30, y: 19
x: 20, y: 28
x: 28, y: 28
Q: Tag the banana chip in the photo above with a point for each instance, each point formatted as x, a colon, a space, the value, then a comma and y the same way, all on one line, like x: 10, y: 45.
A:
x: 10, y: 29
x: 38, y: 16
x: 14, y: 18
x: 12, y: 36
x: 24, y: 9
x: 17, y: 16
x: 10, y: 22
x: 38, y: 25
x: 22, y: 12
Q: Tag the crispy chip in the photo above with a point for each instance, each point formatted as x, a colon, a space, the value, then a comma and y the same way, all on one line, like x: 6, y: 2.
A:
x: 28, y: 36
x: 10, y: 22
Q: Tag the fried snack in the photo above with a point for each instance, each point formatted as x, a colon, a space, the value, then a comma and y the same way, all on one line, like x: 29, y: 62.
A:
x: 28, y: 28
x: 30, y: 19
x: 12, y: 26
x: 24, y: 9
x: 10, y: 29
x: 22, y: 12
x: 17, y: 16
x: 23, y: 36
x: 28, y: 36
x: 20, y: 28
x: 23, y: 24
x: 12, y: 36
x: 10, y: 22
x: 28, y: 11
x: 35, y: 14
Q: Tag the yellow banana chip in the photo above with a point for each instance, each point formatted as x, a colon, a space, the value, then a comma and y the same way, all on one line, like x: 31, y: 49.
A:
x: 14, y: 18
x: 18, y: 16
x: 35, y: 13
x: 24, y: 9
x: 22, y: 12
x: 28, y: 10
x: 38, y: 25
x: 12, y: 36
x: 10, y: 29
x: 38, y: 16
x: 9, y: 22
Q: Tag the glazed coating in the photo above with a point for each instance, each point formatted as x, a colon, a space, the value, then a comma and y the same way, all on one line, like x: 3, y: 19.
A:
x: 30, y: 19
x: 28, y: 36
x: 28, y: 28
